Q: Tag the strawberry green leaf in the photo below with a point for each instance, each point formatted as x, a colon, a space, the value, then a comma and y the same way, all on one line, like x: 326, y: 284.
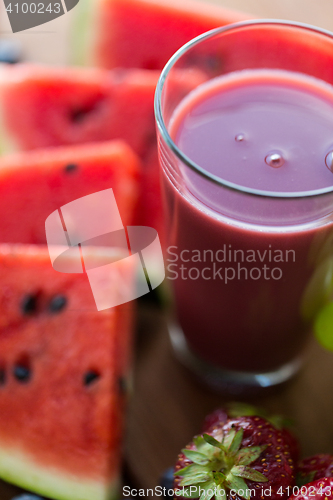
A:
x: 195, y: 456
x: 203, y: 447
x: 243, y: 410
x: 247, y: 410
x: 220, y: 494
x: 303, y: 480
x: 190, y: 469
x: 194, y: 474
x: 246, y: 456
x: 219, y: 477
x: 207, y: 494
x: 237, y: 441
x: 212, y: 441
x: 228, y: 438
x: 248, y: 473
x: 279, y: 421
x: 195, y: 479
x: 187, y: 492
x: 208, y: 490
x: 199, y: 442
x: 238, y: 484
x: 181, y: 472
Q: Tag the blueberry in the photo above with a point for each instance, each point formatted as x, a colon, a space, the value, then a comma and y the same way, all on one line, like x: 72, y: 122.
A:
x: 10, y: 52
x: 166, y: 482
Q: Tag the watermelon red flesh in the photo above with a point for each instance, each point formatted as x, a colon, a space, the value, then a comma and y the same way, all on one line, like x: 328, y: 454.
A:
x: 44, y: 107
x: 146, y: 33
x: 58, y: 436
x: 47, y: 107
x: 35, y: 184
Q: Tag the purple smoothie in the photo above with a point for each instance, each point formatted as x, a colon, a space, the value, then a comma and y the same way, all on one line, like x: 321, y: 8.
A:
x: 250, y: 272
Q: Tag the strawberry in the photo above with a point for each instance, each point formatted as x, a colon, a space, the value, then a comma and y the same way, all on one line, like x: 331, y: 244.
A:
x: 321, y: 489
x: 313, y: 468
x: 234, y: 457
x: 244, y: 409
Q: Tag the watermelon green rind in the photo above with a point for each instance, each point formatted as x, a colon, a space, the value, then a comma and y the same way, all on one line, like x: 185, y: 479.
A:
x: 8, y: 143
x: 18, y: 468
x: 82, y: 33
x: 54, y: 434
x: 38, y: 451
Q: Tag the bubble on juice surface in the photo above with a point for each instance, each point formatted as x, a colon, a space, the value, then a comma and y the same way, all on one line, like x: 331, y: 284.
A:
x: 240, y: 137
x: 275, y: 160
x: 329, y: 161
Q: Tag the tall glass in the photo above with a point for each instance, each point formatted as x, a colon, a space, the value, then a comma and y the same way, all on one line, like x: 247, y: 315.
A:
x: 250, y: 267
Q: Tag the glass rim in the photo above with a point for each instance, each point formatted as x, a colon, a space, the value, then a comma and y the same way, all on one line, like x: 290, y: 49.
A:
x: 177, y: 151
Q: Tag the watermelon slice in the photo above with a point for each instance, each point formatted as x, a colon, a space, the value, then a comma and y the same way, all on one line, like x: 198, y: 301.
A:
x: 35, y: 184
x: 62, y: 372
x: 46, y: 107
x: 63, y: 364
x: 146, y: 33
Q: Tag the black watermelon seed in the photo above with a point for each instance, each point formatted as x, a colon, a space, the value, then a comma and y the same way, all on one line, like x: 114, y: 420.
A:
x: 90, y: 377
x: 2, y: 376
x: 80, y: 114
x: 57, y: 304
x: 29, y: 304
x: 22, y: 373
x: 71, y: 167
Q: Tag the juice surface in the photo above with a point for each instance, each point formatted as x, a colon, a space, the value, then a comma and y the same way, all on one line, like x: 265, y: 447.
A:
x: 267, y: 130
x: 246, y: 294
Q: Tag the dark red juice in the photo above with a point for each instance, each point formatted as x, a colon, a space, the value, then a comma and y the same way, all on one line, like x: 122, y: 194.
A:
x: 251, y: 271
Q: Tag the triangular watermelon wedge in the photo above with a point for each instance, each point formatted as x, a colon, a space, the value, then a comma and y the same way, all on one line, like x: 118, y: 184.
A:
x: 45, y: 107
x: 146, y: 33
x: 63, y: 367
x: 35, y: 184
x: 63, y: 364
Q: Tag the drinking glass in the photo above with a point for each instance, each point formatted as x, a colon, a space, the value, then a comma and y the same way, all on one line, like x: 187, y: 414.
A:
x: 249, y: 267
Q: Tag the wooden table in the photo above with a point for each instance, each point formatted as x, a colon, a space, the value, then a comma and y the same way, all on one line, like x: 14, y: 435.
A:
x: 168, y: 405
